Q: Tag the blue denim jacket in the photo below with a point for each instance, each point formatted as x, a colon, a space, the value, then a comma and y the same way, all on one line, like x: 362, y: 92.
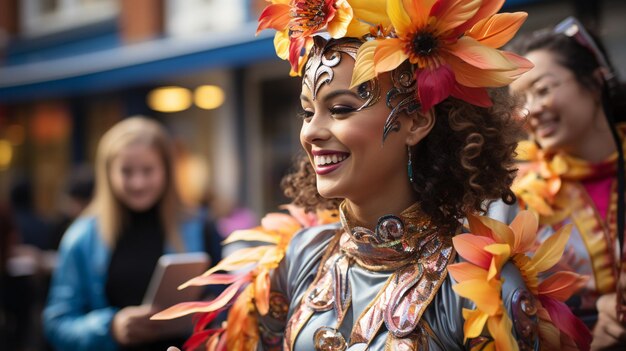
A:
x: 77, y: 315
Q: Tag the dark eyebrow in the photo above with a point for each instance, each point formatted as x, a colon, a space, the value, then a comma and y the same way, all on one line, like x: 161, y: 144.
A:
x: 332, y: 95
x: 541, y: 77
x: 339, y: 92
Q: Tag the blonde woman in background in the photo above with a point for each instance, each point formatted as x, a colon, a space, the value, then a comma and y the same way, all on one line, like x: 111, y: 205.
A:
x: 107, y: 257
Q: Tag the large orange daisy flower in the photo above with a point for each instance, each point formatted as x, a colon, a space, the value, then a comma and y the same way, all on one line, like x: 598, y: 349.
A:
x: 489, y: 246
x: 453, y: 44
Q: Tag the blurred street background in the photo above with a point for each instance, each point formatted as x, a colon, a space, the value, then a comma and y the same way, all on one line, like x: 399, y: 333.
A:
x: 70, y: 69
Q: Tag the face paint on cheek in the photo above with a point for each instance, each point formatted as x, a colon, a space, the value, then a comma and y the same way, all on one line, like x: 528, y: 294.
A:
x: 403, y: 95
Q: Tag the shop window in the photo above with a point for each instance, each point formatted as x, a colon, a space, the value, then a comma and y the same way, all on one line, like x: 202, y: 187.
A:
x: 193, y: 16
x: 40, y: 17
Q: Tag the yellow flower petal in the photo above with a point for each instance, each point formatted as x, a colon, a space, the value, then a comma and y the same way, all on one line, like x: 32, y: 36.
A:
x: 418, y: 11
x: 463, y: 271
x: 238, y: 259
x: 537, y: 203
x: 500, y: 329
x: 525, y: 227
x: 551, y: 250
x: 280, y: 222
x: 371, y: 12
x: 480, y: 56
x: 399, y: 17
x: 450, y: 14
x: 486, y: 296
x: 558, y: 164
x: 474, y: 323
x: 501, y: 253
x: 497, y: 30
x: 527, y: 150
x: 338, y: 26
x: 262, y: 292
x: 357, y: 29
x: 474, y: 77
x: 364, y: 65
x: 487, y: 9
x: 501, y: 232
x: 389, y: 55
x: 281, y: 44
x: 251, y: 235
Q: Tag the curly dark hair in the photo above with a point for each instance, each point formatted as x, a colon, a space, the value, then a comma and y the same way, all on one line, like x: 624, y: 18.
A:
x: 465, y: 160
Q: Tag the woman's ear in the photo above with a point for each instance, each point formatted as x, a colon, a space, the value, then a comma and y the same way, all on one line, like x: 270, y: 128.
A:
x: 419, y: 125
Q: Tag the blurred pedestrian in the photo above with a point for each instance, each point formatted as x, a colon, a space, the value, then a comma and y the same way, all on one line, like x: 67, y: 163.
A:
x: 34, y: 229
x: 107, y: 256
x: 76, y: 197
x: 573, y: 168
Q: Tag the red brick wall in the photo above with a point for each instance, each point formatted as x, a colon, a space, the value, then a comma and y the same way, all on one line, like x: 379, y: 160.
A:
x: 8, y: 16
x: 141, y: 19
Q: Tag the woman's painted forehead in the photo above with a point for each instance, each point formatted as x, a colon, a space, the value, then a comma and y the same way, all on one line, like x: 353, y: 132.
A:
x: 330, y: 66
x: 327, y: 60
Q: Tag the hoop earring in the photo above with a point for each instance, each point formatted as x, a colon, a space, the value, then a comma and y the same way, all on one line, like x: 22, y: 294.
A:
x: 409, y: 167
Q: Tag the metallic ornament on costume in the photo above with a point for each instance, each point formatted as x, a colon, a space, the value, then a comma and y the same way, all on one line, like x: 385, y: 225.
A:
x: 524, y: 313
x: 324, y: 57
x: 418, y: 256
x: 417, y: 340
x: 279, y: 306
x: 329, y: 339
x: 392, y: 244
x: 404, y: 85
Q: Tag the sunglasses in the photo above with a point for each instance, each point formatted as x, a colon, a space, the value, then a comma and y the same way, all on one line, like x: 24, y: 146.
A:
x: 572, y: 28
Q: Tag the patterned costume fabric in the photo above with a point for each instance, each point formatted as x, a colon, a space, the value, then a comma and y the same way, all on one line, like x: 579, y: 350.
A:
x: 384, y: 292
x: 564, y: 190
x: 333, y: 287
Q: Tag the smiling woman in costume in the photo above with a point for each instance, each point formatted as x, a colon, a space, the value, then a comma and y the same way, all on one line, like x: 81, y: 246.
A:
x: 396, y: 122
x: 571, y: 171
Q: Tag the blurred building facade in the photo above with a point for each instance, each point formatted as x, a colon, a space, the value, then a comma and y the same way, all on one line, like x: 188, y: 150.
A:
x: 69, y: 69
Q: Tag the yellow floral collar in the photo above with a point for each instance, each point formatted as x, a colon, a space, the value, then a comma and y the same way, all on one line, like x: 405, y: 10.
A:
x: 540, y: 174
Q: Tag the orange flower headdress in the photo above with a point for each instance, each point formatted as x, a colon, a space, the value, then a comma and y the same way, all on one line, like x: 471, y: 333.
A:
x: 452, y: 44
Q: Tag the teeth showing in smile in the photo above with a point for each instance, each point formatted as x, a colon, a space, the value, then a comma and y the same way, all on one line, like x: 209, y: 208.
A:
x: 324, y: 160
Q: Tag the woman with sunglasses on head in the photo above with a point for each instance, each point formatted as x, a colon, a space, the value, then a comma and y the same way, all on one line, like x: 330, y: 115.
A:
x: 403, y: 140
x: 571, y: 176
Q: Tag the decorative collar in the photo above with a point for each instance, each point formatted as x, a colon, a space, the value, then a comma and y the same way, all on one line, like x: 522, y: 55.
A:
x: 396, y: 241
x: 541, y: 175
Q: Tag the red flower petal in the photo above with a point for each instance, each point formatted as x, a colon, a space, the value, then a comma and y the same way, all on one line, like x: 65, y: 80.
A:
x: 201, y: 320
x: 295, y: 51
x: 197, y: 339
x: 565, y: 320
x: 275, y: 16
x: 434, y: 85
x: 475, y: 96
